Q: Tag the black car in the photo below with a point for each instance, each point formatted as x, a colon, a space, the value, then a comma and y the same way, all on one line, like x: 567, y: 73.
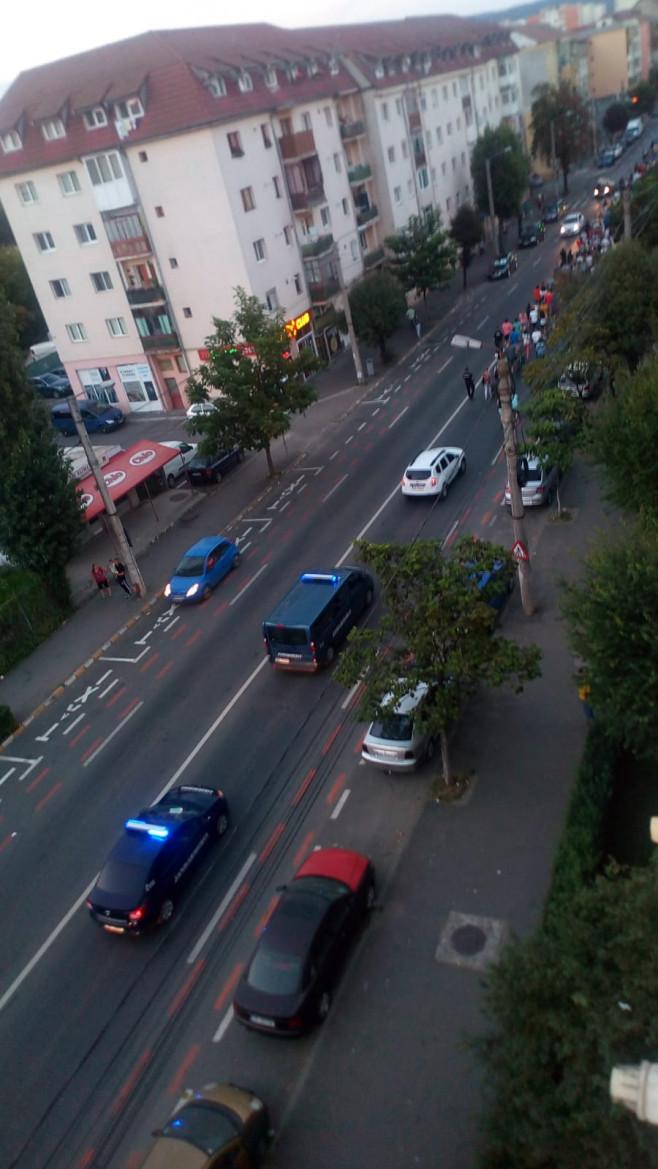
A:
x: 555, y: 211
x: 288, y: 984
x: 51, y: 385
x: 502, y: 268
x: 210, y: 468
x: 140, y: 880
x: 530, y: 237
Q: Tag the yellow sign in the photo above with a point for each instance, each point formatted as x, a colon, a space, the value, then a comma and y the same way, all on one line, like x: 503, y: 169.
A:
x: 295, y: 326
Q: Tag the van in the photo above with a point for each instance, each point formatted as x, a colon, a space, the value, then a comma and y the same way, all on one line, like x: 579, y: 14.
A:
x: 315, y: 617
x: 94, y: 415
x: 633, y: 130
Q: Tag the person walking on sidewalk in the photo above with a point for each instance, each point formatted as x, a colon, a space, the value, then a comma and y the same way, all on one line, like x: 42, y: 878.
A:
x: 486, y: 383
x: 469, y: 382
x: 119, y: 573
x: 98, y: 573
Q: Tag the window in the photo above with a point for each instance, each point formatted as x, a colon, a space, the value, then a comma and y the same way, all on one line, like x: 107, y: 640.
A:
x: 287, y: 235
x: 267, y: 136
x: 338, y: 166
x: 306, y: 121
x: 272, y: 300
x: 433, y: 175
x: 85, y: 233
x: 346, y: 207
x: 297, y: 281
x: 247, y: 196
x: 429, y: 139
x: 271, y: 79
x: 187, y: 312
x: 104, y: 168
x: 398, y: 105
x: 76, y: 332
x: 397, y: 194
x: 463, y: 158
x: 391, y: 154
x: 459, y: 123
x: 439, y: 135
x: 481, y: 82
x: 454, y: 162
x: 325, y: 217
x: 276, y: 183
x: 69, y: 183
x: 423, y: 178
x: 53, y: 128
x: 235, y: 144
x: 116, y: 327
x: 60, y: 288
x: 384, y: 109
x: 245, y: 83
x: 130, y: 110
x: 94, y: 119
x: 435, y: 98
x: 328, y: 116
x: 216, y: 86
x: 181, y: 364
x: 143, y: 156
x: 449, y: 129
x: 444, y: 169
x: 354, y: 249
x: 173, y: 262
x: 454, y: 89
x: 11, y: 141
x: 444, y: 91
x: 259, y: 248
x: 405, y: 150
x: 159, y: 211
x: 448, y: 204
x: 102, y: 281
x: 27, y: 192
x: 44, y: 241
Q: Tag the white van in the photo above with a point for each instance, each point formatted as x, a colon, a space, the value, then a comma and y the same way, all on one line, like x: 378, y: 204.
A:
x: 633, y: 130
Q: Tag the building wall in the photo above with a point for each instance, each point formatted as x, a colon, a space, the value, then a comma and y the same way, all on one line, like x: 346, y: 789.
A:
x: 607, y: 63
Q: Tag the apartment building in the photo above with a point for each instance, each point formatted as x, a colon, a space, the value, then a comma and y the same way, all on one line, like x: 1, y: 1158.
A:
x: 145, y: 180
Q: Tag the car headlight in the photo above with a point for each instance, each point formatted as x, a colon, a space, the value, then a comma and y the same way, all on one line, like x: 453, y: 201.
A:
x: 193, y: 590
x: 167, y: 591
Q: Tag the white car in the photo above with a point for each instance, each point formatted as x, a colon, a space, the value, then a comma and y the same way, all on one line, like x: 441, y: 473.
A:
x: 183, y: 452
x: 199, y: 408
x: 572, y: 224
x: 393, y: 744
x: 432, y: 472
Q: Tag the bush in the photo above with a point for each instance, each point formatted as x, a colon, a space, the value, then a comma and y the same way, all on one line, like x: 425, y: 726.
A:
x: 8, y: 723
x: 30, y: 611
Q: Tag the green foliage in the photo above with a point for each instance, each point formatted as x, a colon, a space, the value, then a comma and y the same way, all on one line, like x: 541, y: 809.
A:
x: 259, y: 391
x: 424, y: 255
x: 17, y: 287
x: 623, y: 440
x: 6, y: 234
x: 30, y: 610
x: 39, y: 507
x: 378, y: 307
x: 564, y: 1007
x: 615, y: 118
x: 612, y: 612
x: 466, y: 228
x: 8, y: 722
x: 644, y: 211
x: 509, y: 171
x: 557, y: 428
x: 435, y: 628
x: 565, y: 108
x: 643, y: 97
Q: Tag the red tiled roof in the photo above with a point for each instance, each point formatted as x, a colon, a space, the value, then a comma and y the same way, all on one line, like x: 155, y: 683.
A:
x: 171, y: 63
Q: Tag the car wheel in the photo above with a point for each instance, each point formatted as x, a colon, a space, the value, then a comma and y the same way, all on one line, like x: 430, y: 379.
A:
x: 236, y: 559
x: 205, y: 592
x: 444, y: 491
x: 370, y: 596
x: 371, y: 896
x: 166, y: 911
x: 330, y: 655
x: 222, y: 825
x: 462, y: 465
x: 171, y: 481
x: 324, y: 1006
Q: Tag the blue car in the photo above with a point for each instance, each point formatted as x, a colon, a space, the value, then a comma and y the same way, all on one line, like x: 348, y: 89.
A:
x: 95, y: 415
x: 201, y: 569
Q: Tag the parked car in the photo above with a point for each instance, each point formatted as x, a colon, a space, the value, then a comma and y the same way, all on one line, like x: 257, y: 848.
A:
x: 502, y: 268
x: 581, y: 380
x: 185, y: 452
x: 618, y: 148
x: 432, y: 472
x: 535, y: 180
x: 95, y: 416
x: 51, y: 385
x: 555, y: 211
x: 220, y: 1127
x: 395, y: 743
x: 198, y: 409
x: 572, y: 224
x: 531, y: 235
x: 607, y: 158
x: 201, y: 569
x: 603, y: 188
x: 203, y: 469
x: 537, y: 483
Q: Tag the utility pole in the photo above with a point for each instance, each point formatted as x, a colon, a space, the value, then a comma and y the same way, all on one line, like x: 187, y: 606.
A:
x: 594, y: 127
x: 492, y: 211
x: 626, y: 204
x: 516, y: 497
x: 348, y: 318
x: 116, y: 527
x: 553, y: 158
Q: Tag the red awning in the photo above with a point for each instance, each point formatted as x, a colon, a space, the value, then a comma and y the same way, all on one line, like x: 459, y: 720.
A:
x: 124, y: 472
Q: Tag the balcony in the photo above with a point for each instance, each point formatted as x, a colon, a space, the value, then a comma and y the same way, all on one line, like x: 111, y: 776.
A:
x: 420, y: 158
x: 305, y: 200
x: 365, y: 215
x: 351, y: 130
x: 414, y: 120
x: 372, y: 259
x: 321, y: 293
x: 318, y: 246
x: 141, y: 297
x: 293, y: 146
x: 130, y: 249
x: 359, y: 174
x: 154, y: 343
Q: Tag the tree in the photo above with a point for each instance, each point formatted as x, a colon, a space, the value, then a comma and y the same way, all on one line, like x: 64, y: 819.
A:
x: 563, y: 107
x: 17, y: 287
x: 564, y: 1007
x: 40, y: 508
x: 466, y: 230
x: 260, y: 388
x: 612, y: 611
x: 378, y: 307
x: 623, y: 440
x: 6, y: 234
x: 509, y: 172
x: 643, y: 99
x: 615, y: 118
x: 557, y: 428
x: 424, y: 255
x: 436, y: 629
x: 644, y: 211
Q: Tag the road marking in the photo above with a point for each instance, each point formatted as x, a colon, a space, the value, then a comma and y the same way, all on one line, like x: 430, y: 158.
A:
x: 362, y: 426
x: 348, y: 440
x: 107, y: 689
x: 333, y: 456
x: 398, y: 417
x: 453, y: 529
x: 44, y: 738
x: 132, y: 661
x: 334, y: 488
x: 79, y: 736
x: 268, y: 913
x: 497, y: 455
x: 229, y: 985
x: 221, y: 909
x: 341, y: 804
x: 537, y: 261
x: 272, y: 842
x: 233, y: 908
x: 346, y: 701
x: 335, y: 788
x: 302, y: 850
x: 223, y: 1026
x: 248, y: 584
x: 303, y: 787
x: 185, y: 989
x: 118, y: 727
x: 176, y: 1084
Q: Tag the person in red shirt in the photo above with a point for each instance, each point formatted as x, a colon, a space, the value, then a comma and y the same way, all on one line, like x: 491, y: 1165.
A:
x: 99, y: 575
x: 537, y: 294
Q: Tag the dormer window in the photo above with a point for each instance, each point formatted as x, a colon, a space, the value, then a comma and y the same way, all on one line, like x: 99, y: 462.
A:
x: 216, y: 86
x: 11, y: 141
x: 271, y: 79
x: 53, y: 128
x: 130, y: 110
x: 334, y: 67
x: 245, y: 83
x: 312, y: 68
x: 95, y: 119
x: 391, y: 69
x: 406, y: 64
x: 379, y: 69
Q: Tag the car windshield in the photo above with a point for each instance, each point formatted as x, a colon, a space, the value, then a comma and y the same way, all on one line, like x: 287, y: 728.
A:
x: 502, y: 263
x: 418, y: 473
x: 204, y: 1125
x: 94, y: 408
x: 275, y: 972
x: 286, y: 635
x: 118, y: 878
x: 397, y: 729
x: 201, y: 461
x: 327, y: 887
x: 191, y: 566
x: 534, y: 475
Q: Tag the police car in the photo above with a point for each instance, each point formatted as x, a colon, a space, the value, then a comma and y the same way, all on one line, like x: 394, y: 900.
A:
x: 140, y: 880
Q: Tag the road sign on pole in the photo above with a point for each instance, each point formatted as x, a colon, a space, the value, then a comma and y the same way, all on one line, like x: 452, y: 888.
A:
x: 519, y: 551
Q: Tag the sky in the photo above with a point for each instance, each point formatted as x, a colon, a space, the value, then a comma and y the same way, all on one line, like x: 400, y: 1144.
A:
x: 37, y: 33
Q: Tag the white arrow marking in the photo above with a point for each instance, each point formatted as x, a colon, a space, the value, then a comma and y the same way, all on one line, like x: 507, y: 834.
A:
x: 44, y: 738
x: 31, y: 764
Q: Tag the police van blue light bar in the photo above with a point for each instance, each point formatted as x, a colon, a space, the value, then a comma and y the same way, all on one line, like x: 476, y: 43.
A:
x: 327, y: 577
x: 152, y: 829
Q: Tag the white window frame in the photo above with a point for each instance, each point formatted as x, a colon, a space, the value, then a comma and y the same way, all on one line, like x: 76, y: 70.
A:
x: 259, y: 250
x: 391, y: 154
x: 384, y: 111
x: 76, y: 332
x: 47, y: 238
x: 88, y: 230
x: 423, y: 178
x: 271, y: 79
x: 102, y: 168
x: 272, y: 300
x: 116, y: 326
x: 325, y: 217
x: 69, y: 177
x: 64, y: 288
x: 245, y: 82
x: 216, y: 86
x: 11, y: 141
x: 95, y: 118
x: 105, y: 281
x: 397, y: 194
x: 297, y: 281
x: 129, y: 110
x: 52, y: 129
x: 354, y: 249
x: 248, y: 200
x: 27, y: 192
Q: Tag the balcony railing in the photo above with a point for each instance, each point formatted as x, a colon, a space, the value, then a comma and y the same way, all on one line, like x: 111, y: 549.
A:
x: 157, y: 341
x: 297, y: 145
x: 366, y: 215
x: 351, y: 130
x: 320, y: 293
x: 154, y: 294
x: 372, y: 259
x: 419, y: 156
x: 129, y: 249
x: 318, y: 246
x: 359, y: 174
x: 304, y: 200
x: 414, y: 120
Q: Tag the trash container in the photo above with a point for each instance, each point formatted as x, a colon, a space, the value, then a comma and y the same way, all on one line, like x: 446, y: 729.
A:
x: 370, y: 367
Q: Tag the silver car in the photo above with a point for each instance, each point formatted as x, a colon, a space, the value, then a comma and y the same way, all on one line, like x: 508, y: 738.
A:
x: 538, y: 483
x: 572, y: 224
x: 393, y: 744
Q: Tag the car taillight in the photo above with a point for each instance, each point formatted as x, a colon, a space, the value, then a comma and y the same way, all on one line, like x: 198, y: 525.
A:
x: 295, y: 1024
x: 541, y: 489
x: 313, y: 648
x: 209, y: 472
x: 137, y: 914
x: 404, y: 480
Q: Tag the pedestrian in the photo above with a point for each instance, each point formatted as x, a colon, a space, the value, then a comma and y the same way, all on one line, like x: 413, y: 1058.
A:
x: 570, y: 258
x: 526, y: 345
x: 481, y: 247
x: 98, y: 573
x: 119, y: 573
x: 417, y: 325
x: 563, y: 257
x: 486, y: 383
x: 533, y: 315
x: 506, y: 328
x: 469, y: 382
x: 498, y: 341
x: 537, y: 294
x: 548, y: 301
x: 411, y: 317
x: 537, y: 335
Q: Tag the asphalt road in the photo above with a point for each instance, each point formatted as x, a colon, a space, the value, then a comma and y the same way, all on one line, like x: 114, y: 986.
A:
x: 100, y: 1035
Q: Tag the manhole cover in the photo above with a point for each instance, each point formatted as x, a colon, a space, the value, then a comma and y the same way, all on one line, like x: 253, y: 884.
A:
x: 469, y: 939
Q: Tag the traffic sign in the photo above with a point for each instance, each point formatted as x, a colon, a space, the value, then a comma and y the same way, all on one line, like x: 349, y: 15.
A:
x: 519, y: 551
